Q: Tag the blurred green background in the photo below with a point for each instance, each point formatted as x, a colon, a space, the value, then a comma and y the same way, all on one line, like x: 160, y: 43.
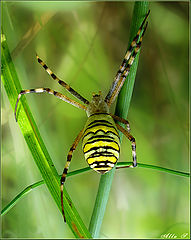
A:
x: 84, y: 44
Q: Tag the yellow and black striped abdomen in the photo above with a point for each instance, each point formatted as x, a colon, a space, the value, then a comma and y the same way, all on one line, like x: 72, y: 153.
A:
x: 100, y: 142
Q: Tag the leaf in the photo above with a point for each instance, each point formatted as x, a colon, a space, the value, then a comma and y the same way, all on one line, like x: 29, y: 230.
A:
x: 35, y: 143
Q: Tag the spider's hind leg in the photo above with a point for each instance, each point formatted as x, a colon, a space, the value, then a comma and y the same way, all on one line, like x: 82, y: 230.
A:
x: 133, y: 144
x: 64, y: 174
x: 122, y: 120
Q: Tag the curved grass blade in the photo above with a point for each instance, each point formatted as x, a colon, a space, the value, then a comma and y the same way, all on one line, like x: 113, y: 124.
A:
x: 35, y: 143
x: 82, y: 170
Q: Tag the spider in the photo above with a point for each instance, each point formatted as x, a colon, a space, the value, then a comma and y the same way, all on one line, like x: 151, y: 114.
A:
x: 100, y: 137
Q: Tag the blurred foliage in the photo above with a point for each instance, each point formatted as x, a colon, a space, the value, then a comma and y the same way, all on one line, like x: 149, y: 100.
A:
x: 84, y: 44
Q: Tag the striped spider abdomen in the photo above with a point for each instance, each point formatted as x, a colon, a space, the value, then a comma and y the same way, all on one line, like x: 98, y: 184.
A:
x: 100, y: 142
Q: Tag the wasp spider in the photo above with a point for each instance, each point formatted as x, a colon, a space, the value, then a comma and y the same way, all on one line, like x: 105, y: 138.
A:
x: 100, y: 137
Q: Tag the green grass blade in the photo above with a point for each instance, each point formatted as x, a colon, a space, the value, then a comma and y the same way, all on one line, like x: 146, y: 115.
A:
x: 153, y: 167
x: 35, y: 143
x: 20, y: 196
x: 123, y: 102
x: 79, y: 171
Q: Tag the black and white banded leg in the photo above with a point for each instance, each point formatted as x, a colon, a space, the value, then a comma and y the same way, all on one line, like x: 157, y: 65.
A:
x: 133, y: 144
x: 122, y: 120
x: 52, y: 92
x: 65, y: 171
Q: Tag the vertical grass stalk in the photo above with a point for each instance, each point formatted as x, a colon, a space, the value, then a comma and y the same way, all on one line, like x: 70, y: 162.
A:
x: 122, y: 107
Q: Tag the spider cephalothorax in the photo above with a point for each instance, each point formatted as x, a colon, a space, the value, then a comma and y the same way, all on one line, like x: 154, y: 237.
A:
x: 97, y: 105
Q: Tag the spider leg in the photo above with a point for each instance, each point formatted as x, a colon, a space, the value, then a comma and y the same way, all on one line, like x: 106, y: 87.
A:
x: 122, y: 120
x: 64, y: 174
x: 61, y: 82
x: 126, y: 64
x: 133, y: 144
x: 50, y: 91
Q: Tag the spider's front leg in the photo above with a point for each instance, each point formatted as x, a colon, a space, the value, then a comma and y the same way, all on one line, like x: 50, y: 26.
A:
x: 50, y: 91
x: 64, y: 174
x: 133, y: 144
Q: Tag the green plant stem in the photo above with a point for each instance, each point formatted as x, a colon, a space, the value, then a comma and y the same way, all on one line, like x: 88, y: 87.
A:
x: 83, y: 170
x: 122, y: 107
